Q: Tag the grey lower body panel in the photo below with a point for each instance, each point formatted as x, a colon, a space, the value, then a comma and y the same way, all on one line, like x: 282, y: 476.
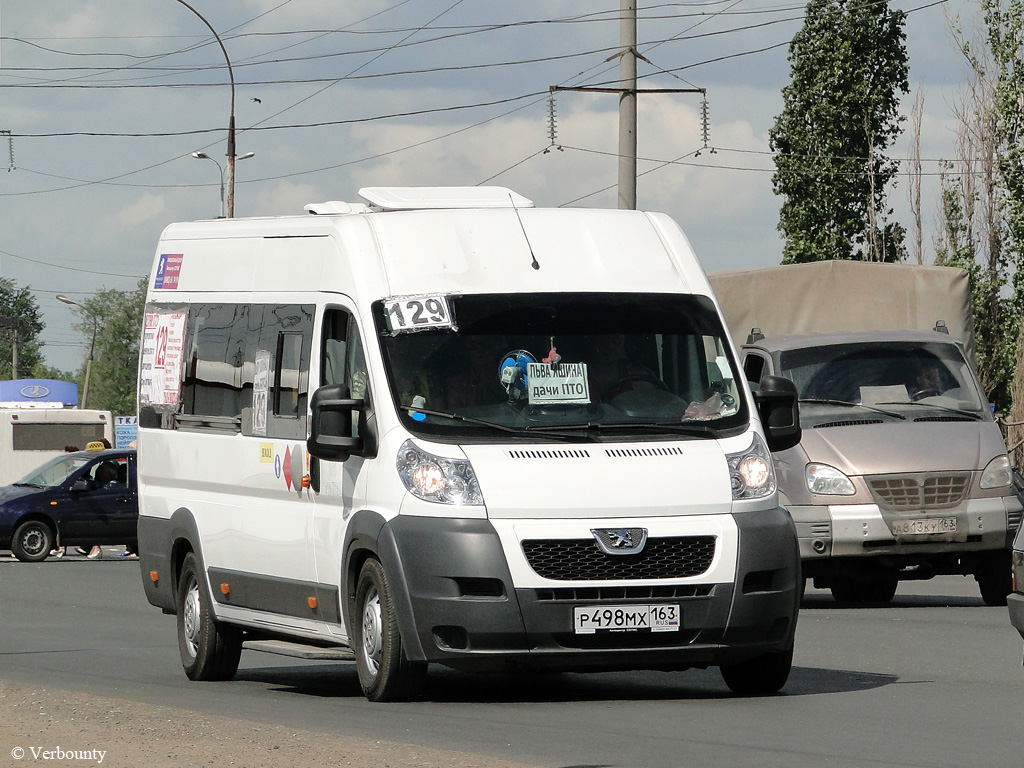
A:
x: 466, y: 613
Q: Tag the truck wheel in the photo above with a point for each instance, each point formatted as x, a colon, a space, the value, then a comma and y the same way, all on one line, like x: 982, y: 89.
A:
x: 760, y: 675
x: 385, y: 673
x: 994, y: 577
x: 32, y: 541
x: 209, y: 650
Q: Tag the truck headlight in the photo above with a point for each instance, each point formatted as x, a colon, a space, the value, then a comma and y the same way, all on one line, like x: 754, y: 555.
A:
x: 829, y: 481
x: 751, y: 472
x: 997, y: 473
x: 437, y: 479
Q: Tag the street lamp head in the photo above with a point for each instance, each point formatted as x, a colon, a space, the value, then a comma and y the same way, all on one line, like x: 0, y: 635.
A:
x: 201, y: 156
x: 66, y: 300
x: 246, y: 156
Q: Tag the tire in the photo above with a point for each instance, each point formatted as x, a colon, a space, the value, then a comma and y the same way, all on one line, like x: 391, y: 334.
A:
x: 849, y: 590
x: 385, y: 674
x: 995, y: 577
x: 760, y: 675
x: 32, y: 541
x: 209, y: 650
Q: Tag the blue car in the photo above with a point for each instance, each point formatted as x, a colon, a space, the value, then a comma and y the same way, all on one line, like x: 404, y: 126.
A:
x: 88, y: 498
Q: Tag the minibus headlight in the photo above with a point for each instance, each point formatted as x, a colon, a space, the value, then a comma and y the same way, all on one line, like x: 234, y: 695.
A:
x: 751, y: 472
x: 997, y: 474
x: 828, y: 481
x: 437, y: 479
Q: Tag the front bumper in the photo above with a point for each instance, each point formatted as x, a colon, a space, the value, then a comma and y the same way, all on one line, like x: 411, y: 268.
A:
x: 865, y: 530
x: 1015, y: 605
x: 464, y: 610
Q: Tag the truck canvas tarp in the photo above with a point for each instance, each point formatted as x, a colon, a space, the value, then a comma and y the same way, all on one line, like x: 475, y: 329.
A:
x: 854, y: 296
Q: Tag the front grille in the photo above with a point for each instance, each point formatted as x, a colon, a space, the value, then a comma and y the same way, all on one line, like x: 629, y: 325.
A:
x: 581, y: 560
x: 610, y: 594
x: 915, y: 492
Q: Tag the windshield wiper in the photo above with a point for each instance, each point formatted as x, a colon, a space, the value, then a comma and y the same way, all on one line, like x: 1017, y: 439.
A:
x: 694, y: 430
x: 971, y: 414
x: 28, y: 485
x: 847, y: 403
x: 472, y: 420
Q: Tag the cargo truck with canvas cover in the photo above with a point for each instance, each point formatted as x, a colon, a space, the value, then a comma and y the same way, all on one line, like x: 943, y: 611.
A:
x: 443, y: 426
x: 901, y: 472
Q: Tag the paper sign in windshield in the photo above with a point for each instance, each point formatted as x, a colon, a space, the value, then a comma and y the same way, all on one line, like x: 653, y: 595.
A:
x: 160, y: 370
x: 417, y: 313
x: 562, y: 384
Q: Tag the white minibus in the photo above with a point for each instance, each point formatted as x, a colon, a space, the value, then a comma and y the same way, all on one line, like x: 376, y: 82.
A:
x: 443, y: 426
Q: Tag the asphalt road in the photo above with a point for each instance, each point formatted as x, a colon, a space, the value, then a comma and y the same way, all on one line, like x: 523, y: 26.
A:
x: 932, y: 680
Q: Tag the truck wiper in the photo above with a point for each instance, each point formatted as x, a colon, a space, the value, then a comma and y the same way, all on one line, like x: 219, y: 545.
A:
x: 971, y: 414
x: 847, y: 403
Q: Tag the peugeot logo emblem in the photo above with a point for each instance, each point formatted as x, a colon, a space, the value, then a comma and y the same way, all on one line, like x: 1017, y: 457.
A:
x: 620, y: 541
x: 35, y: 391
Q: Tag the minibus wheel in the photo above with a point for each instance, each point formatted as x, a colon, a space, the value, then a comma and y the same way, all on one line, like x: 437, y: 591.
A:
x: 209, y: 650
x: 385, y: 673
x: 760, y: 675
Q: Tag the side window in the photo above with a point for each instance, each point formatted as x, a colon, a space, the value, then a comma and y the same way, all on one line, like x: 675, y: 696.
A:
x: 342, y: 360
x: 281, y: 370
x: 753, y: 368
x: 215, y: 361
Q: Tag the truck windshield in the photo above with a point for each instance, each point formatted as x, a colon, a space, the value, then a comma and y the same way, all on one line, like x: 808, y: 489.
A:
x: 891, y: 376
x: 593, y: 366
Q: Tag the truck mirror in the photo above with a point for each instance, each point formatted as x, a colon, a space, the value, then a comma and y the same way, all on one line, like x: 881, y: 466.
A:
x: 330, y: 433
x: 776, y: 400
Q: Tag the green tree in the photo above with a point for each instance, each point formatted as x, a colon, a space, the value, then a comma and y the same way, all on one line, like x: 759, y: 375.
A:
x: 116, y: 316
x: 982, y: 205
x: 840, y: 112
x: 20, y: 305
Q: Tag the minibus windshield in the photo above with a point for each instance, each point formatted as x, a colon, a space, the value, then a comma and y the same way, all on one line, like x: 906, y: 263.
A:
x: 586, y: 366
x: 899, y: 379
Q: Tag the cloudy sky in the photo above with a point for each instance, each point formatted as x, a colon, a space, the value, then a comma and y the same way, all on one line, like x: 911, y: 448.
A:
x: 104, y: 103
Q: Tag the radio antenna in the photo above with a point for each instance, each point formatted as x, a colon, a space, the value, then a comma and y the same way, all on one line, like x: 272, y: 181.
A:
x: 526, y: 237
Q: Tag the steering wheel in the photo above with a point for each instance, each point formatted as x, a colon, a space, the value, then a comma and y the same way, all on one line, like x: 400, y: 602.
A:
x: 923, y: 393
x: 623, y: 385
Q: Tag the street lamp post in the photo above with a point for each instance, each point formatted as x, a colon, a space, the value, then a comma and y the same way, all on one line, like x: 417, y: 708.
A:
x: 230, y: 163
x: 92, y: 345
x: 204, y: 156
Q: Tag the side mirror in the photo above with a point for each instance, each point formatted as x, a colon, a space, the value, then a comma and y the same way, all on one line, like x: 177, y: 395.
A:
x: 80, y: 485
x: 330, y: 433
x: 776, y: 400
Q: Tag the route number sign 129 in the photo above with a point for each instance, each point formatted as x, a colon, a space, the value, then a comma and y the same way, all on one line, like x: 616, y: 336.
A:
x: 414, y: 313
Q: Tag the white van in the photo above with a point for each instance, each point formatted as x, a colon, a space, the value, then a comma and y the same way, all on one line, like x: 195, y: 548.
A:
x: 444, y: 426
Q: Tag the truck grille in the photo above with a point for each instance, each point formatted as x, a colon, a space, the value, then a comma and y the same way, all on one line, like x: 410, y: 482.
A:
x: 580, y: 559
x: 919, y: 492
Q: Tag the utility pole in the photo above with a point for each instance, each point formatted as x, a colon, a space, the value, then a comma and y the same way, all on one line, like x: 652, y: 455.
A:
x: 627, y: 105
x: 627, y: 91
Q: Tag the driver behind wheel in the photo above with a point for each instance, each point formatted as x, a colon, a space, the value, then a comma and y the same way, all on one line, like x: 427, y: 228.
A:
x: 927, y: 380
x: 609, y: 370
